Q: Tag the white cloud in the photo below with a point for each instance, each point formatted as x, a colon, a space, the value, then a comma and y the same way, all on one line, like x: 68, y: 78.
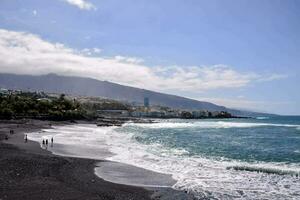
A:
x: 132, y: 60
x: 90, y: 52
x: 242, y: 103
x: 81, y: 4
x: 26, y: 53
x: 34, y: 12
x: 97, y: 50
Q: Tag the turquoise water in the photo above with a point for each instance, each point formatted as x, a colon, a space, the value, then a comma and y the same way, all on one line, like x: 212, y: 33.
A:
x: 270, y: 140
x: 212, y: 159
x: 220, y: 159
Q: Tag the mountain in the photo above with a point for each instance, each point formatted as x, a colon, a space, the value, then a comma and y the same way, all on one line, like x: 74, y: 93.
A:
x: 53, y: 83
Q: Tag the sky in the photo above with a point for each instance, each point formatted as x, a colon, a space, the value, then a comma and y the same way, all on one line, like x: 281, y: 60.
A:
x: 240, y: 54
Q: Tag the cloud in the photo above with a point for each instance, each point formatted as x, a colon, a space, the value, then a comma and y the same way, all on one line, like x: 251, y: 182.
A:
x: 81, y: 4
x: 132, y: 60
x: 34, y: 12
x: 242, y: 103
x: 26, y: 53
x: 90, y: 52
x: 97, y: 50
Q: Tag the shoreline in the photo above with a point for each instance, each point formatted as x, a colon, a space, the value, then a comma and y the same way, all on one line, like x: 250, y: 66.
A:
x: 34, y: 172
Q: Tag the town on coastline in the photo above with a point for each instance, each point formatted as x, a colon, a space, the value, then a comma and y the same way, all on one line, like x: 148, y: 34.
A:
x: 16, y: 104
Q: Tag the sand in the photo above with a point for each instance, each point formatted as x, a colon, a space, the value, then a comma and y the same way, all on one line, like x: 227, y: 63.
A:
x: 30, y: 172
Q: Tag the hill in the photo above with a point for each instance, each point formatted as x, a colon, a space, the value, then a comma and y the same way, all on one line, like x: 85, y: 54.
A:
x: 53, y: 83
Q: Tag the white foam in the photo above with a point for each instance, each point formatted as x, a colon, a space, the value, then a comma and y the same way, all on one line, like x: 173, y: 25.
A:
x: 75, y: 140
x: 204, y: 176
x: 209, y: 124
x: 262, y: 117
x: 198, y: 175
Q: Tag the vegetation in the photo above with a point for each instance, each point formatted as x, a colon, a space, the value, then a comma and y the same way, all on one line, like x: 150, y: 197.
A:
x: 18, y: 104
x: 40, y: 106
x: 105, y: 105
x: 186, y: 115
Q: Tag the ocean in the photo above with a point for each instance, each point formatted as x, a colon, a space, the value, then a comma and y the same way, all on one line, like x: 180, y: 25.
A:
x: 213, y: 158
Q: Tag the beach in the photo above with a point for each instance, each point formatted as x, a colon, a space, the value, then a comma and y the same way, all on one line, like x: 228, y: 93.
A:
x: 213, y: 159
x: 30, y: 172
x: 163, y: 160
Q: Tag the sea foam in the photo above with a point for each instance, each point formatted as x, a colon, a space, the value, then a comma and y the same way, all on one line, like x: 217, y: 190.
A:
x: 210, y: 124
x: 204, y: 177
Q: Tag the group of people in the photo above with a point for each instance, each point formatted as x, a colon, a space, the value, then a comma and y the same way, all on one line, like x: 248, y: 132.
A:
x: 45, y: 142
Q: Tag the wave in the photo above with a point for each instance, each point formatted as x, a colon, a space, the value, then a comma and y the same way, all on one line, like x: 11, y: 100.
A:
x: 262, y: 118
x: 204, y: 177
x: 210, y: 124
x: 261, y: 169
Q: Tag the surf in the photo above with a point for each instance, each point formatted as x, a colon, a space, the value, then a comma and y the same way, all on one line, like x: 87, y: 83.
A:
x: 210, y: 124
x: 201, y: 175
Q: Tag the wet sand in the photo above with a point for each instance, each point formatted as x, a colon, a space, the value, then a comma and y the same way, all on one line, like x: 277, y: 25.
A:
x: 30, y: 172
x: 129, y: 175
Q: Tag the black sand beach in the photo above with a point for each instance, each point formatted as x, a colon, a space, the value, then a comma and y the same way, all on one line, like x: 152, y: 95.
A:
x: 29, y: 172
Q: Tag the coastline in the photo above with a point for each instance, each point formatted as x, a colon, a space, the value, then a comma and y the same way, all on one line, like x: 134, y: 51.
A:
x: 30, y: 172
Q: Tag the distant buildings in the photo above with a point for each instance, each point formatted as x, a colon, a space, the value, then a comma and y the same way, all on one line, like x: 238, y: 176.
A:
x: 146, y: 102
x: 4, y: 91
x: 111, y: 113
x: 200, y: 113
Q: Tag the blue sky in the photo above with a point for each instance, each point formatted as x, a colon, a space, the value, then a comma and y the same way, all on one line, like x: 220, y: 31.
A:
x: 242, y: 54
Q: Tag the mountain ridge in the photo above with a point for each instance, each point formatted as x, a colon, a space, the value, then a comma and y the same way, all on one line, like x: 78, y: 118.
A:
x: 75, y: 85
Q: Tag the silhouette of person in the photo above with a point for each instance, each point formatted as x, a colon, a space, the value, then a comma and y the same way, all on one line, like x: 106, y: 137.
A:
x: 46, y: 141
x: 43, y: 142
x: 52, y: 140
x: 25, y: 139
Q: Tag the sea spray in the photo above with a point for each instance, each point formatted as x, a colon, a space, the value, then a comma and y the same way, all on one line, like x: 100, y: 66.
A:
x: 190, y: 151
x: 209, y: 124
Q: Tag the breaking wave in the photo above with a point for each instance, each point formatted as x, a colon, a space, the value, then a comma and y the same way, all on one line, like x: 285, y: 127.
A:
x: 262, y: 118
x: 210, y: 124
x: 270, y: 170
x: 201, y: 176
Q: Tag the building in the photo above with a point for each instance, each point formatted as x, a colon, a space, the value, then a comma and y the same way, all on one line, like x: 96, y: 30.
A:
x: 4, y: 91
x: 113, y: 113
x: 146, y: 102
x: 172, y: 114
x: 200, y: 114
x: 139, y: 114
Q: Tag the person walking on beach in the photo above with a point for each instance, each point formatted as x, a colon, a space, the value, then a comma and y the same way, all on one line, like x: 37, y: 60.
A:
x: 43, y: 142
x: 25, y: 138
x: 47, y: 142
x: 51, y: 141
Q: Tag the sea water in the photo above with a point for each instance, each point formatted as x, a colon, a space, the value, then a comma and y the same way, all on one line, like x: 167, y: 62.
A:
x: 217, y: 159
